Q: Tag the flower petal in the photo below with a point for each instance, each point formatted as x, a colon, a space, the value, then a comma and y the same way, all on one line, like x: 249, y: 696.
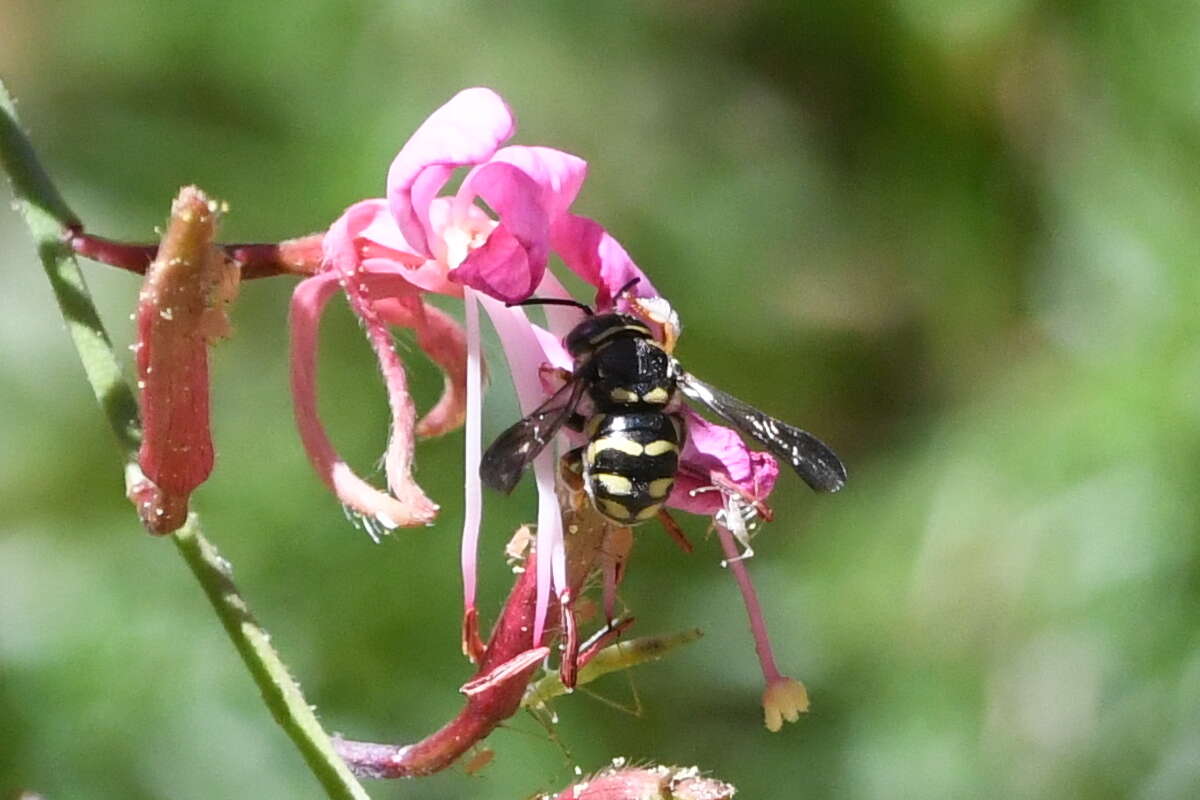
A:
x: 591, y: 253
x: 466, y: 130
x: 557, y: 174
x: 443, y: 340
x: 510, y: 264
x: 501, y: 268
x: 409, y: 506
x: 308, y: 302
x: 712, y: 448
x: 383, y: 247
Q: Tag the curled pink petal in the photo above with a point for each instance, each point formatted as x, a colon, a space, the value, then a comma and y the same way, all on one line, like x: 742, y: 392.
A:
x: 444, y: 341
x: 712, y: 448
x: 558, y: 175
x: 308, y: 302
x: 466, y: 130
x: 383, y: 248
x: 501, y: 268
x: 510, y: 264
x: 381, y: 229
x: 341, y: 254
x: 594, y: 255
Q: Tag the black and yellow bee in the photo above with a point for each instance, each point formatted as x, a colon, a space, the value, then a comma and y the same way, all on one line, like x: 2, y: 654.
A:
x: 635, y: 431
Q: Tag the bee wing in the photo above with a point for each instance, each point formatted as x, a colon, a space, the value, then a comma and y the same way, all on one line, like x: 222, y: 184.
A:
x: 809, y: 456
x: 515, y: 449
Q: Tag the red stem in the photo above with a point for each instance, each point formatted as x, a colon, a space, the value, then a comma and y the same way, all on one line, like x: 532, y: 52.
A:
x: 508, y: 662
x: 301, y: 256
x: 484, y: 710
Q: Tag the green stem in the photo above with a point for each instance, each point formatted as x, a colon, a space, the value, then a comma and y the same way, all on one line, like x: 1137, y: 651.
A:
x: 280, y: 691
x: 49, y: 220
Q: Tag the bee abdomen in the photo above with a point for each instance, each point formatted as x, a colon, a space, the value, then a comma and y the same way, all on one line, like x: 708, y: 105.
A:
x: 630, y: 464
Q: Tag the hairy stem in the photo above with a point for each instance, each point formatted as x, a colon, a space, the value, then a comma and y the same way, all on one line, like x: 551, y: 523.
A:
x: 279, y: 690
x: 50, y: 221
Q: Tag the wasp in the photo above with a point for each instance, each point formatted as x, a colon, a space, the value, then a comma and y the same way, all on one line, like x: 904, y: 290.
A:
x: 635, y: 430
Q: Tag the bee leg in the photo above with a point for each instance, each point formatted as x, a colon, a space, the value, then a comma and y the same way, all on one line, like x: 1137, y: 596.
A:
x: 570, y: 469
x: 568, y: 665
x: 613, y: 558
x: 554, y: 376
x: 728, y: 487
x: 674, y: 531
x: 602, y: 639
x: 657, y: 311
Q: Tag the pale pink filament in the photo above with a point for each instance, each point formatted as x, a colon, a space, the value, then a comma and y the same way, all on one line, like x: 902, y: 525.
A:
x: 473, y: 513
x: 758, y: 624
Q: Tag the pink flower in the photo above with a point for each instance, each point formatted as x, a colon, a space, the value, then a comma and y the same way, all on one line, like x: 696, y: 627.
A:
x: 385, y: 253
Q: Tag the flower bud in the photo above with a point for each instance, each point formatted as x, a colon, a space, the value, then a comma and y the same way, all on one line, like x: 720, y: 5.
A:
x: 181, y: 310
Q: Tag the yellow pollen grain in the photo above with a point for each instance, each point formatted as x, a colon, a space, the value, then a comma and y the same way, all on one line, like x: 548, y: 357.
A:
x: 659, y: 488
x: 657, y: 448
x: 614, y: 484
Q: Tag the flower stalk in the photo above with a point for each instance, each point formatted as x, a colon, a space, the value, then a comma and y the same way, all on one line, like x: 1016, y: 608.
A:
x: 508, y: 661
x: 300, y: 256
x: 48, y: 218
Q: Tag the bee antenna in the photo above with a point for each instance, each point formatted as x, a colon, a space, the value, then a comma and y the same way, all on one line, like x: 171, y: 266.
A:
x: 632, y: 283
x: 552, y: 301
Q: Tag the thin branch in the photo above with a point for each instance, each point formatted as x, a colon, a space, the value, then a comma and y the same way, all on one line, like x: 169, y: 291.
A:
x: 300, y: 256
x: 47, y: 215
x: 50, y: 222
x: 279, y: 690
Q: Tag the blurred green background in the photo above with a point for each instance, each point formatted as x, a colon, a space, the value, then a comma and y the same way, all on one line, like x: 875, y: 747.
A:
x: 958, y: 240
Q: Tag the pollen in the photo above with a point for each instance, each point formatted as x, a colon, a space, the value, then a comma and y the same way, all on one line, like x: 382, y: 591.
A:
x: 784, y: 699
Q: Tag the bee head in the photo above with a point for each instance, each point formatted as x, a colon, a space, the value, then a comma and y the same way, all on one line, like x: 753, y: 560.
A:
x: 588, y: 335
